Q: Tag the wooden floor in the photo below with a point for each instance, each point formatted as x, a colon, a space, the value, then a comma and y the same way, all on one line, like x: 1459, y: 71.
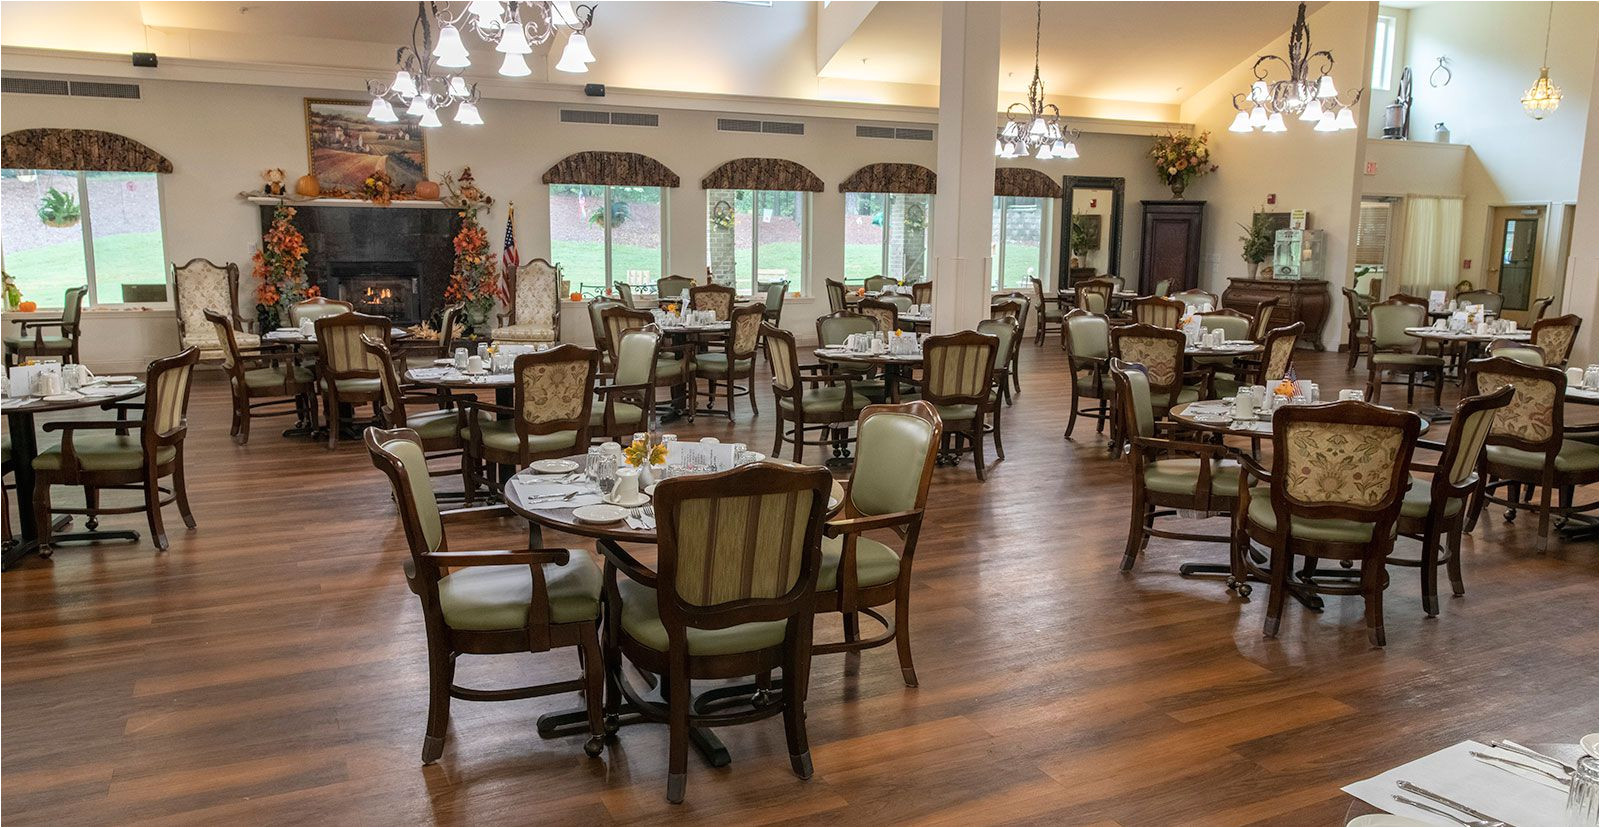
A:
x: 270, y: 668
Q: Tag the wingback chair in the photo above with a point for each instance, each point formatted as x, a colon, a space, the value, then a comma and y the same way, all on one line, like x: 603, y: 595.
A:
x: 732, y: 595
x: 69, y: 327
x: 1393, y: 351
x: 833, y: 401
x: 1529, y: 445
x: 200, y: 285
x: 260, y: 380
x: 957, y: 378
x: 628, y: 396
x: 1050, y: 312
x: 535, y: 313
x: 549, y: 417
x: 1158, y: 311
x: 1356, y: 306
x: 896, y: 449
x: 347, y: 373
x: 488, y: 603
x: 1087, y: 339
x: 718, y: 299
x: 1338, y: 480
x: 1555, y: 336
x: 1492, y: 301
x: 438, y: 430
x: 736, y: 361
x: 107, y: 457
x: 669, y: 288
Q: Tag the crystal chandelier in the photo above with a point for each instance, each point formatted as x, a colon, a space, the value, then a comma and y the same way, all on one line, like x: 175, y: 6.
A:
x: 1037, y: 130
x: 1317, y: 100
x: 1543, y: 97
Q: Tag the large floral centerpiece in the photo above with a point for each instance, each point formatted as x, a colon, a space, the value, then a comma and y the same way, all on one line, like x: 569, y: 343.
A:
x: 280, y: 264
x: 475, y: 278
x: 1180, y: 158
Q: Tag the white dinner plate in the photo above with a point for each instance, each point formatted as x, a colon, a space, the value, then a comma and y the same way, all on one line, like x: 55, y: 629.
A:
x: 600, y: 513
x: 62, y: 397
x: 119, y: 378
x: 121, y: 389
x: 1591, y: 744
x: 444, y: 361
x: 1375, y: 820
x: 554, y: 466
x: 638, y: 500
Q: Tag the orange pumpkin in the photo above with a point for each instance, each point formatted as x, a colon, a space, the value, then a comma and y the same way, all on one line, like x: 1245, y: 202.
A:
x: 576, y: 296
x: 427, y: 189
x: 28, y: 307
x: 308, y: 186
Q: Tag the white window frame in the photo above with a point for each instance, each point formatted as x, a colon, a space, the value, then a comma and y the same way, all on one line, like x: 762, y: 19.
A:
x: 1383, y: 52
x: 755, y: 239
x: 610, y: 282
x: 1046, y: 242
x: 927, y: 240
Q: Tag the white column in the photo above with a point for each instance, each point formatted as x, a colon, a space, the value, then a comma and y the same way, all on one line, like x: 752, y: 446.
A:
x: 969, y: 79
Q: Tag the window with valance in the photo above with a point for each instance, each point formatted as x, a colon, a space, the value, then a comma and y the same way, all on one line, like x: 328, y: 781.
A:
x: 888, y: 221
x: 607, y: 219
x: 757, y: 224
x: 1020, y: 247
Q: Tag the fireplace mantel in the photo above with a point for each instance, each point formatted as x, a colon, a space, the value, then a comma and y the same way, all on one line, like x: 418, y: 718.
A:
x: 301, y: 201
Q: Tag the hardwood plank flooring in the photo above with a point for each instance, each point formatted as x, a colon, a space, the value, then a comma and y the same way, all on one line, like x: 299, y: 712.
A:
x: 270, y: 668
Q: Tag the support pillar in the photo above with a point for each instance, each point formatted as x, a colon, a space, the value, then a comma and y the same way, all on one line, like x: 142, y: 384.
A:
x: 963, y: 218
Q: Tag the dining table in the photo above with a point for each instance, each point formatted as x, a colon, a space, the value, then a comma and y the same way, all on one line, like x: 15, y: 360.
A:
x: 892, y: 364
x: 20, y: 426
x: 548, y: 501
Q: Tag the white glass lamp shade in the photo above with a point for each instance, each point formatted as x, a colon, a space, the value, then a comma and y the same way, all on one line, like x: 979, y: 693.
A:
x: 571, y: 61
x: 1241, y: 122
x: 1070, y: 151
x: 1326, y: 123
x: 1038, y: 128
x: 1007, y: 152
x: 999, y: 148
x: 1258, y: 91
x: 513, y: 41
x: 1325, y: 88
x: 458, y: 86
x: 1345, y: 119
x: 403, y: 85
x: 450, y: 51
x: 1258, y: 117
x: 1044, y: 153
x: 467, y: 113
x: 1275, y: 123
x: 419, y: 105
x: 382, y: 112
x: 486, y: 11
x: 430, y: 118
x: 579, y: 43
x: 1312, y: 112
x: 565, y: 13
x: 1010, y: 130
x: 514, y: 66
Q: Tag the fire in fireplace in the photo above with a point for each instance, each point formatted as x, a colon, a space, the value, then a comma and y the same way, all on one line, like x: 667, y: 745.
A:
x: 381, y: 288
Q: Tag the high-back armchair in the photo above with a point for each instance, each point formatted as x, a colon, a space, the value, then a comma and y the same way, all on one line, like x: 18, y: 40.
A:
x: 628, y: 395
x: 484, y: 603
x: 674, y: 368
x: 597, y: 310
x: 1160, y: 352
x: 808, y: 397
x: 922, y: 293
x: 438, y: 430
x: 1394, y: 351
x: 260, y: 380
x: 875, y: 284
x: 200, y: 285
x: 733, y: 595
x: 1004, y: 324
x: 736, y: 361
x: 1492, y: 301
x: 1095, y: 295
x: 316, y: 307
x: 1196, y: 298
x: 1555, y: 336
x: 1050, y: 312
x: 1086, y: 337
x: 775, y: 294
x: 552, y: 400
x: 1158, y: 311
x: 1016, y: 303
x: 885, y: 314
x: 836, y: 295
x: 1262, y: 319
x: 957, y: 378
x: 1356, y: 306
x: 100, y: 454
x: 63, y: 344
x: 1541, y: 306
x: 719, y: 299
x: 672, y: 287
x: 347, y: 373
x: 534, y: 290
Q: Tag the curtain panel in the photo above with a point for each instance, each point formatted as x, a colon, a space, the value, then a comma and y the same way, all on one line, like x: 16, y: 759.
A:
x: 891, y: 178
x: 78, y: 149
x: 1431, y: 254
x: 619, y: 169
x: 762, y: 174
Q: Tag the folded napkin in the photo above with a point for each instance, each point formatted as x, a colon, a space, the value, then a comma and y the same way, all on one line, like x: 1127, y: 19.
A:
x: 428, y: 373
x: 490, y: 379
x: 1454, y: 774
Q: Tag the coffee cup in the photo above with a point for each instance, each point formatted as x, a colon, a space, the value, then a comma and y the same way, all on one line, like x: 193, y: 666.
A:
x: 474, y: 364
x: 1574, y: 377
x: 627, y: 488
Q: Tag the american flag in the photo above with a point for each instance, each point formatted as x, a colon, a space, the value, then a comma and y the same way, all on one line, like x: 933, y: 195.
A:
x: 509, y: 256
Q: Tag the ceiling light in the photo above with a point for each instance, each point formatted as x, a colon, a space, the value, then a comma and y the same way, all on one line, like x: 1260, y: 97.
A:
x: 450, y: 51
x: 1346, y: 119
x: 1315, y: 100
x: 458, y: 86
x: 1275, y: 123
x: 1326, y: 123
x: 403, y: 85
x: 1543, y: 97
x: 1312, y: 112
x: 565, y: 12
x: 1258, y: 117
x: 1038, y: 126
x: 485, y: 12
x: 1326, y: 89
x: 419, y: 105
x: 430, y: 118
x: 580, y: 44
x: 514, y: 42
x: 514, y: 66
x: 382, y: 112
x: 467, y: 113
x: 1070, y: 151
x: 1241, y: 122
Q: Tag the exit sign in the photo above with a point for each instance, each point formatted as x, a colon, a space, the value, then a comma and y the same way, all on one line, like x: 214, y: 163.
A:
x: 1372, y: 168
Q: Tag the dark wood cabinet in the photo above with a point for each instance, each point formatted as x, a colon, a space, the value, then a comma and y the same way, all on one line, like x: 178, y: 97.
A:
x: 1170, y: 244
x: 1302, y: 300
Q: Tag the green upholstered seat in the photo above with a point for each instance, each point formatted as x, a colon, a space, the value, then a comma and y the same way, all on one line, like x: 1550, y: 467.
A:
x: 1093, y: 386
x: 1418, y: 501
x: 641, y: 620
x: 1181, y: 475
x: 1053, y: 313
x: 1426, y: 360
x: 716, y: 365
x: 826, y: 398
x: 264, y: 378
x: 497, y: 597
x: 1225, y: 386
x: 669, y: 369
x: 501, y: 435
x: 625, y: 413
x: 26, y: 344
x: 1319, y: 529
x: 104, y: 451
x: 364, y: 385
x: 432, y: 425
x: 957, y: 413
x: 1575, y: 456
x: 875, y: 563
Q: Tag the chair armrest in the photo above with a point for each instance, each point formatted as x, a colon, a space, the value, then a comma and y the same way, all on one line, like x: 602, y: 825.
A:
x: 1431, y: 445
x: 1424, y: 467
x: 852, y: 526
x: 469, y: 402
x: 614, y: 388
x: 51, y: 322
x: 1252, y: 469
x: 75, y: 425
x: 1185, y: 446
x: 625, y: 563
x: 501, y: 557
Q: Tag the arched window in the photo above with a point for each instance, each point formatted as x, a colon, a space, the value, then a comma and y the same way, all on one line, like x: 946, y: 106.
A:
x: 607, y: 219
x: 888, y: 221
x: 758, y: 227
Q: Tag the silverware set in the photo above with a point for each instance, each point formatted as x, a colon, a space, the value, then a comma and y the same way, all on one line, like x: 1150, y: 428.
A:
x: 1474, y: 818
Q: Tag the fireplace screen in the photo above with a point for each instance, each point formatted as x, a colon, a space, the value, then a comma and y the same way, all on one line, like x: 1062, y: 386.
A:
x: 377, y: 288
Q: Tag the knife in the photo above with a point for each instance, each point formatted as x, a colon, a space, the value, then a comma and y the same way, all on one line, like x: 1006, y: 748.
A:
x: 1507, y: 744
x: 1427, y: 794
x: 1492, y: 759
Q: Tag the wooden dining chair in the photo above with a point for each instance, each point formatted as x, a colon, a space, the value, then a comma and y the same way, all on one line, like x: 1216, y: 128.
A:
x: 346, y: 373
x: 1492, y: 301
x: 958, y: 379
x: 885, y: 314
x: 625, y: 294
x: 597, y: 326
x: 1196, y: 297
x: 718, y: 299
x: 776, y: 292
x: 1338, y: 480
x: 62, y: 345
x: 1541, y: 306
x: 449, y: 319
x: 1529, y: 446
x: 896, y: 449
x: 490, y: 602
x: 316, y: 307
x: 1169, y: 473
x: 1087, y: 340
x: 1095, y: 295
x: 553, y: 398
x: 1235, y: 326
x: 1396, y: 352
x: 674, y: 369
x: 672, y: 287
x: 922, y: 293
x: 1524, y: 352
x: 832, y: 400
x: 1555, y: 336
x: 1049, y: 315
x: 1159, y: 312
x: 1163, y: 287
x: 1262, y: 319
x: 440, y: 431
x: 1277, y: 357
x: 1012, y: 303
x: 101, y: 454
x: 1160, y: 351
x: 258, y: 380
x: 1356, y: 306
x: 1007, y: 329
x: 875, y: 284
x: 733, y: 595
x: 836, y: 295
x: 627, y: 395
x: 736, y: 361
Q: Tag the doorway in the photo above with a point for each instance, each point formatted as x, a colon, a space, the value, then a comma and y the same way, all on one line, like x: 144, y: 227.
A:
x: 1514, y: 267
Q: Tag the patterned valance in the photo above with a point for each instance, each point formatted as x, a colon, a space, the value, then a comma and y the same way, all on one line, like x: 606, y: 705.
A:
x: 78, y: 149
x: 762, y: 174
x: 622, y: 169
x: 891, y: 178
x: 1026, y: 183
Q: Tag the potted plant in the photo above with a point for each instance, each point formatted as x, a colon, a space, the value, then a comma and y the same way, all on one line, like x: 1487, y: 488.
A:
x: 1181, y: 158
x: 1256, y: 242
x: 59, y: 209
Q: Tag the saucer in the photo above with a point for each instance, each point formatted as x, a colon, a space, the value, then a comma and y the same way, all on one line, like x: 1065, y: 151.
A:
x: 1591, y: 744
x: 638, y: 500
x: 599, y: 513
x: 554, y: 466
x: 121, y: 378
x: 62, y: 397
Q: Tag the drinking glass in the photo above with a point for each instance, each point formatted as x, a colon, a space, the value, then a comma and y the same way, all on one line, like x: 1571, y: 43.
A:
x: 606, y: 474
x: 1583, y: 792
x: 591, y: 463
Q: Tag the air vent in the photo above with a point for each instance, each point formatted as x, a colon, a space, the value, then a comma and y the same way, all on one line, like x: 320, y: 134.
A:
x: 902, y: 133
x: 870, y: 131
x: 752, y: 125
x: 783, y: 127
x: 913, y: 134
x: 95, y: 89
x: 737, y: 125
x: 34, y: 86
x: 601, y: 116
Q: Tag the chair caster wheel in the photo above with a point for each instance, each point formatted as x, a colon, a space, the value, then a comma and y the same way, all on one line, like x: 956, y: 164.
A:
x: 1511, y: 515
x: 594, y: 746
x: 613, y: 724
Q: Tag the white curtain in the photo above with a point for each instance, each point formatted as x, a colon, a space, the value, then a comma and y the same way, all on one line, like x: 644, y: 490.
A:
x: 1432, y: 249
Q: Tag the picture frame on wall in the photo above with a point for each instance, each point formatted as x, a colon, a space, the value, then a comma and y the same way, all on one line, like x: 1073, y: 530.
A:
x: 343, y: 147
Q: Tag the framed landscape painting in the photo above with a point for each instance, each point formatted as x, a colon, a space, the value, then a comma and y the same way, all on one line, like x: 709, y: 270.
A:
x: 344, y: 147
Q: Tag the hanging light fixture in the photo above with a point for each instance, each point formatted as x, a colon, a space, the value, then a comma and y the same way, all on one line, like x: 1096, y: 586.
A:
x: 1264, y: 105
x: 1037, y: 130
x: 1543, y: 97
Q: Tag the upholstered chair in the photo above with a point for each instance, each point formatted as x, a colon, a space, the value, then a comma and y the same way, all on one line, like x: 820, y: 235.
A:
x: 1160, y: 352
x: 896, y: 450
x: 875, y: 284
x: 1277, y: 356
x: 489, y: 603
x: 438, y: 430
x: 674, y: 369
x: 732, y: 595
x: 1433, y: 510
x: 62, y: 345
x: 1234, y: 326
x: 922, y: 293
x: 1555, y: 337
x: 1338, y: 480
x: 1393, y: 351
x: 1008, y: 339
x: 775, y: 293
x: 316, y: 308
x: 552, y: 402
x: 200, y: 285
x: 1356, y: 306
x: 1169, y: 473
x: 1541, y: 306
x: 1159, y: 312
x: 260, y: 380
x: 670, y: 288
x: 1196, y: 297
x: 718, y: 299
x: 735, y: 362
x: 346, y: 373
x: 1163, y: 287
x: 958, y: 378
x: 101, y: 454
x: 625, y: 294
x: 449, y: 317
x: 885, y: 314
x: 901, y: 302
x: 1523, y: 352
x: 1492, y: 301
x: 836, y: 295
x: 833, y: 330
x: 1050, y: 312
x: 1529, y: 445
x: 1087, y: 340
x: 809, y: 397
x: 597, y: 308
x: 1016, y: 306
x: 627, y: 398
x: 534, y: 290
x: 1262, y: 319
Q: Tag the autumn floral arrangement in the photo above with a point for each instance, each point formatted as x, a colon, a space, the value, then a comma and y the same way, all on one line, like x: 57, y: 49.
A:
x: 1180, y: 158
x: 640, y: 453
x: 475, y: 278
x: 378, y: 188
x: 280, y: 264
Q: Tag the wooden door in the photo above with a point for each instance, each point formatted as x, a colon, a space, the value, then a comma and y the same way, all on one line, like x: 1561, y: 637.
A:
x: 1171, y: 245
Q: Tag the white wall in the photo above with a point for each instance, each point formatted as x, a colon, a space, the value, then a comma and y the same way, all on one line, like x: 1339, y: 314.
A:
x: 1583, y: 266
x: 1414, y: 168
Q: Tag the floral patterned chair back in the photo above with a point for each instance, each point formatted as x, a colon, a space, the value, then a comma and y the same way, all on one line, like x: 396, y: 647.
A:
x: 885, y: 314
x: 715, y: 298
x: 554, y: 391
x: 1556, y: 336
x: 1532, y: 421
x: 200, y: 285
x: 535, y: 305
x: 1346, y: 460
x: 745, y: 331
x: 1278, y: 351
x: 1158, y: 350
x: 1159, y: 311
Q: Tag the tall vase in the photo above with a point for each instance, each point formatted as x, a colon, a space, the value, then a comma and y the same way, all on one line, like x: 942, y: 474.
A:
x: 1177, y: 186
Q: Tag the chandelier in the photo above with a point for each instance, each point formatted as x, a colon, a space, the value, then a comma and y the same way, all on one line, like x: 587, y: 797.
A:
x: 1543, y: 97
x: 1037, y: 130
x: 1317, y: 100
x: 422, y: 81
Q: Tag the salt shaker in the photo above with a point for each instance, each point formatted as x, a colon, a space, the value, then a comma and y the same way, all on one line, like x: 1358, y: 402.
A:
x: 1583, y: 792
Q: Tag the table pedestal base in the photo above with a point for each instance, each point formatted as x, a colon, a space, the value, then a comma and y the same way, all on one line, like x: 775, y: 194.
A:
x: 1300, y: 591
x: 706, y: 743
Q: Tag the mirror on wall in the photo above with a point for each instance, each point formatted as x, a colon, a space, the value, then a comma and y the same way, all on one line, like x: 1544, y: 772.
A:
x: 1091, y: 228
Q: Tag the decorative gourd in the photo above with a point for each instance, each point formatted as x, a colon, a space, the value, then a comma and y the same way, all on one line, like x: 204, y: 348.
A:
x: 427, y: 189
x: 308, y: 186
x: 28, y: 307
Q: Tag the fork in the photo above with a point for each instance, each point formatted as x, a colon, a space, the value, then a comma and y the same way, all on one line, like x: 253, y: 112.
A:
x: 1478, y: 819
x: 1432, y: 810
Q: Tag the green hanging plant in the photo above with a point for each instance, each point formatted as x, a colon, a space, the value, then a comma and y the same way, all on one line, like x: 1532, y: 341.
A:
x: 59, y: 209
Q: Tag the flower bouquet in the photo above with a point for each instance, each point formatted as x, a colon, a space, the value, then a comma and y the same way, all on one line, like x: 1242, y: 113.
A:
x: 378, y: 188
x: 280, y: 264
x: 1181, y: 158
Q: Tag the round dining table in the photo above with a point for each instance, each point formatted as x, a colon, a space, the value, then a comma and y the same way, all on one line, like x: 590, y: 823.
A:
x: 559, y: 517
x: 892, y: 364
x: 453, y: 380
x: 19, y: 412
